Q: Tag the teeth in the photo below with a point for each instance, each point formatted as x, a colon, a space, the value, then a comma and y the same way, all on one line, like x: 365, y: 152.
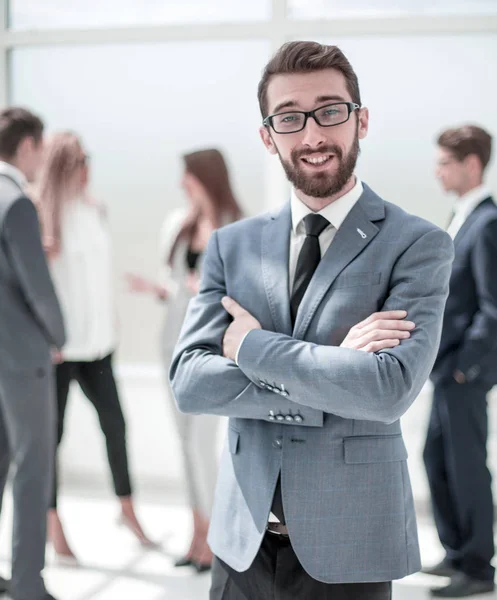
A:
x: 317, y: 161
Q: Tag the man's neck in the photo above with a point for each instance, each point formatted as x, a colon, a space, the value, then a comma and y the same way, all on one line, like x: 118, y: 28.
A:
x: 468, y: 189
x: 317, y: 204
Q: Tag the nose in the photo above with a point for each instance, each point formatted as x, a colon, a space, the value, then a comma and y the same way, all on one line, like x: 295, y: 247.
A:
x: 313, y: 134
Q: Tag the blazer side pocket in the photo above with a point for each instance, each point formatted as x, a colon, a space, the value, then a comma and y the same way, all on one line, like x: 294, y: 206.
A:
x: 374, y: 449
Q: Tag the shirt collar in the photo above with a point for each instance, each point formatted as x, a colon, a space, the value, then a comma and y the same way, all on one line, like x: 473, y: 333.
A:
x: 335, y: 213
x: 14, y: 173
x: 466, y: 204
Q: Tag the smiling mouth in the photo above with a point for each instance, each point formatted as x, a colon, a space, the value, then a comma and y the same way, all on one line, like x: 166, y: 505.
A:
x: 317, y: 161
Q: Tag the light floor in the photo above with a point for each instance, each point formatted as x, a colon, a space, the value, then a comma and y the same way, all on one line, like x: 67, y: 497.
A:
x: 115, y: 567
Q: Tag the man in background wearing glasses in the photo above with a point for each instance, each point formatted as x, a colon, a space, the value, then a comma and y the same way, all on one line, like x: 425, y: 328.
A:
x: 313, y: 497
x: 455, y: 453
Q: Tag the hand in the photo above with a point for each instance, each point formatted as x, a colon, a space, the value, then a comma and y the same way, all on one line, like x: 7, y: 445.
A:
x: 243, y: 322
x: 139, y: 284
x: 193, y: 282
x: 57, y: 357
x: 379, y: 331
x: 459, y: 376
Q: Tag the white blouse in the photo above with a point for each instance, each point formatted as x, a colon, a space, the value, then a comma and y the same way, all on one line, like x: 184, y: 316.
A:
x: 82, y: 274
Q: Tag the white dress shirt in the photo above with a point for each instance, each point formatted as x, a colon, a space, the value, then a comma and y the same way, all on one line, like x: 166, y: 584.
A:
x: 335, y: 213
x: 82, y: 275
x: 14, y: 173
x: 464, y: 206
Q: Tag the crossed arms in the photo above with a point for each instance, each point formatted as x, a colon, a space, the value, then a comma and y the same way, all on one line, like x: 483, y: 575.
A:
x: 378, y: 384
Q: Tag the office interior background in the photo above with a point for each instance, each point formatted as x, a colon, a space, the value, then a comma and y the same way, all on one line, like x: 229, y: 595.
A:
x: 144, y: 81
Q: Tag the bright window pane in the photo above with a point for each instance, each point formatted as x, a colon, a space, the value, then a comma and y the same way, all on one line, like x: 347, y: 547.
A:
x: 329, y: 9
x: 138, y: 108
x: 48, y: 14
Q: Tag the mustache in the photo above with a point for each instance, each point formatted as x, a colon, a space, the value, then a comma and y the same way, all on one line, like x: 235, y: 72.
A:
x: 330, y: 149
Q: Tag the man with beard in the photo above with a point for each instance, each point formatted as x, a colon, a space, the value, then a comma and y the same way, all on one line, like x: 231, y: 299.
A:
x: 300, y: 335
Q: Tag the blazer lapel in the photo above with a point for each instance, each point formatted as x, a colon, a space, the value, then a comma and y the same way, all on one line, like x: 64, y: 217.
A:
x: 471, y: 217
x: 275, y: 257
x: 356, y: 232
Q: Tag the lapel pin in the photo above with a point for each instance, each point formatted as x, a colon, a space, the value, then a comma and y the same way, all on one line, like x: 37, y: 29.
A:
x: 361, y: 233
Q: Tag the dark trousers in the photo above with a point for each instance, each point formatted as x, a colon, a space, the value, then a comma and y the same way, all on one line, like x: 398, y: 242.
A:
x: 276, y: 574
x: 96, y: 379
x: 455, y: 457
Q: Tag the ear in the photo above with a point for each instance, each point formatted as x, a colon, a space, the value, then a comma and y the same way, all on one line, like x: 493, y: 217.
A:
x: 473, y: 163
x: 26, y: 145
x: 363, y: 123
x: 267, y: 140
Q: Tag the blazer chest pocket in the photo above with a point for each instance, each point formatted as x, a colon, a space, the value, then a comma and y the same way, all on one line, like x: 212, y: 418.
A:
x: 356, y: 279
x: 233, y: 440
x: 374, y: 449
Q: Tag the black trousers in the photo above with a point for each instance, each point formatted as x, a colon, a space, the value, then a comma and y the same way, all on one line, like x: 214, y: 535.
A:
x: 276, y: 574
x: 455, y: 457
x: 96, y: 379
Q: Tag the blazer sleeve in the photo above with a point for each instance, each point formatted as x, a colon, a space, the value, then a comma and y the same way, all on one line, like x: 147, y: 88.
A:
x: 27, y: 260
x: 202, y: 380
x: 480, y: 338
x: 359, y: 385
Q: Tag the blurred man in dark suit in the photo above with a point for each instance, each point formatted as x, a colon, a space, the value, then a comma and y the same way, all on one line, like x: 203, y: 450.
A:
x: 455, y: 454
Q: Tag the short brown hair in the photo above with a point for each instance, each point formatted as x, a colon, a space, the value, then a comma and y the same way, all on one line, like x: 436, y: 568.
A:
x: 466, y: 140
x: 16, y: 124
x: 305, y: 57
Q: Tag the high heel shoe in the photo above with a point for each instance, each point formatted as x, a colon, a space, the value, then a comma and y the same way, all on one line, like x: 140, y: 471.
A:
x: 202, y: 567
x: 184, y: 561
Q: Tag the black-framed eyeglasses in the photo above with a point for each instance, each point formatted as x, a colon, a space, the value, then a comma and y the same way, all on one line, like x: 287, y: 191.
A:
x: 325, y: 116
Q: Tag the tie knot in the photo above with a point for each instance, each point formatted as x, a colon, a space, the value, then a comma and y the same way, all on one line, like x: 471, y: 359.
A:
x: 315, y: 224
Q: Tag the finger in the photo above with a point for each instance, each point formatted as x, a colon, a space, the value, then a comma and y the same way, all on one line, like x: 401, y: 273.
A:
x: 386, y: 325
x: 386, y: 315
x: 234, y: 309
x: 384, y: 334
x: 382, y: 345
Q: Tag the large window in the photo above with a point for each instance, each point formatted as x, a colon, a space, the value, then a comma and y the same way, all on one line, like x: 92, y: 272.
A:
x: 43, y: 14
x: 330, y: 9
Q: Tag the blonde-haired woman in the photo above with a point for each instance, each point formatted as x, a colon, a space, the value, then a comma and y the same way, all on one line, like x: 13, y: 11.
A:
x: 184, y: 237
x: 78, y: 245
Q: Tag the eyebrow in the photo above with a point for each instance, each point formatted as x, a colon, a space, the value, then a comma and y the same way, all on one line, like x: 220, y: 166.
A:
x: 292, y: 104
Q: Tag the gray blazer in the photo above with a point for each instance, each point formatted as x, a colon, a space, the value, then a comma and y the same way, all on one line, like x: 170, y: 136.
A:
x: 326, y: 417
x: 30, y: 316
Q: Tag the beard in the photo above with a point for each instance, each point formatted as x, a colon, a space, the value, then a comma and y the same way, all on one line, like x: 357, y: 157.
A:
x: 322, y: 185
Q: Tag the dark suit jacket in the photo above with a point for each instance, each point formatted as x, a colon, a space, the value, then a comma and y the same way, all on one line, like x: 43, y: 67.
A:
x: 469, y: 334
x: 30, y: 316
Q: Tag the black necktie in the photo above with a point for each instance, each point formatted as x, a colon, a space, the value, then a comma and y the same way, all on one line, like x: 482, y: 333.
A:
x: 308, y: 260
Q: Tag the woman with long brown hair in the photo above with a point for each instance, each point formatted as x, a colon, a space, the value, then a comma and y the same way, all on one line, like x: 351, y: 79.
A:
x: 185, y: 235
x: 78, y: 246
